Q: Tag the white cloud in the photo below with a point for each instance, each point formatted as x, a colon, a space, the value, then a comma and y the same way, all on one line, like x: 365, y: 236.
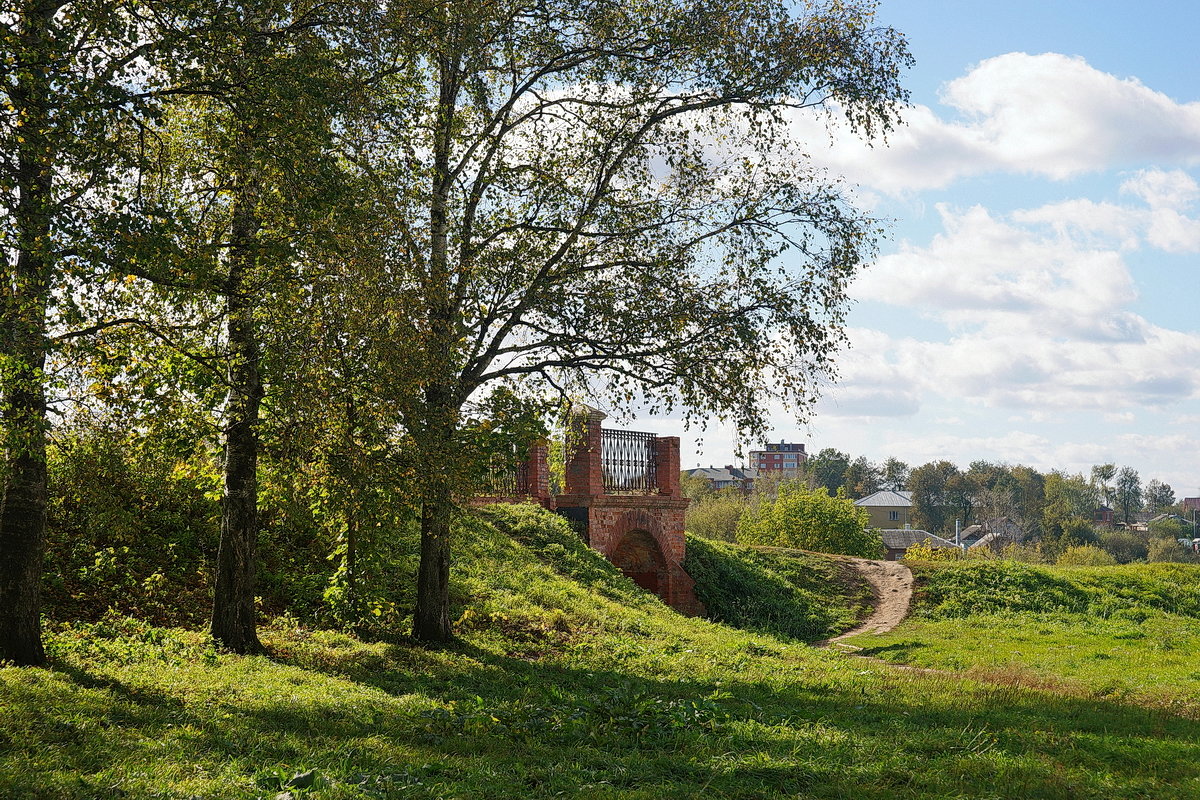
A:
x: 1040, y: 314
x: 1049, y: 114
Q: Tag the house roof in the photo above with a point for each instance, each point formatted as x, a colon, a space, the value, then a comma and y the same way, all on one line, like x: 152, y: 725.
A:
x: 886, y: 497
x: 904, y: 538
x: 719, y: 474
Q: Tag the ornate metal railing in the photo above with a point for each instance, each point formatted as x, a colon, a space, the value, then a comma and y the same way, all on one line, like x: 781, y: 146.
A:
x: 506, y: 479
x: 628, y: 462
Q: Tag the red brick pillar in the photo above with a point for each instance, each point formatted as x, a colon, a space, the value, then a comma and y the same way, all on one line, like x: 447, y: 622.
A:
x: 666, y: 454
x: 537, y: 474
x: 585, y: 472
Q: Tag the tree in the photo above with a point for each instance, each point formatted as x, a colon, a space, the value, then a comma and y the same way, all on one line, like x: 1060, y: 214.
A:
x: 810, y: 519
x: 588, y: 199
x: 1070, y: 505
x: 1102, y: 476
x: 1159, y: 496
x: 244, y: 180
x: 861, y: 478
x: 827, y: 469
x: 73, y: 98
x: 1127, y: 492
x: 895, y: 474
x: 941, y: 495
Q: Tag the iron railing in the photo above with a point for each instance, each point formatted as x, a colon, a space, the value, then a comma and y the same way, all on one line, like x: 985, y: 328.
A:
x: 628, y: 463
x: 506, y: 479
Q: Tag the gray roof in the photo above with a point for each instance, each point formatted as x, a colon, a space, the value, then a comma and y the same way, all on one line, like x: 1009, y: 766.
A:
x: 721, y: 475
x: 886, y: 497
x: 903, y: 539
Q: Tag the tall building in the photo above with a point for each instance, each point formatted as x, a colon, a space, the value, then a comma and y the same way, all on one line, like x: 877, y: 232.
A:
x: 781, y: 456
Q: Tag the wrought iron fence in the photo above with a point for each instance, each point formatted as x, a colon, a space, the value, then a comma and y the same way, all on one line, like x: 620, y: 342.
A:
x: 506, y: 479
x: 628, y: 462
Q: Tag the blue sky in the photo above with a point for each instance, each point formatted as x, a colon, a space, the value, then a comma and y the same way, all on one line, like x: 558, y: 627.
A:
x: 1038, y: 299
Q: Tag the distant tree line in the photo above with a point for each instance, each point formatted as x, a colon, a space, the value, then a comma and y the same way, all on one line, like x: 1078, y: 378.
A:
x: 1055, y: 511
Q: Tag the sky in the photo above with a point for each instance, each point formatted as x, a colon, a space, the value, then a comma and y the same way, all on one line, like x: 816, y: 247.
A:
x: 1037, y: 300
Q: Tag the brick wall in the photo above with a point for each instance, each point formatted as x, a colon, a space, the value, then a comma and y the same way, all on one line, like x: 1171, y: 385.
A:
x: 614, y: 524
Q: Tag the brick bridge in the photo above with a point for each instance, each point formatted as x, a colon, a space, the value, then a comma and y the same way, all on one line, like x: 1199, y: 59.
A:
x: 622, y: 494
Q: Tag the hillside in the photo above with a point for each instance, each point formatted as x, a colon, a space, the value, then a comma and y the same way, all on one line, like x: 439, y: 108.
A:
x: 568, y: 681
x: 1122, y: 631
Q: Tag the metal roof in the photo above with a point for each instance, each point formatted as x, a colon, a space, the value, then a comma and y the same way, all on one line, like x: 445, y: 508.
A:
x: 886, y: 497
x: 902, y: 539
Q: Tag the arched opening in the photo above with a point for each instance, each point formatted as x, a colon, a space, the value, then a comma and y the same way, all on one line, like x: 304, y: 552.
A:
x: 638, y: 556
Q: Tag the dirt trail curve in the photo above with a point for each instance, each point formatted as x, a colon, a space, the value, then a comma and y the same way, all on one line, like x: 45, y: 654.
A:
x: 892, y: 585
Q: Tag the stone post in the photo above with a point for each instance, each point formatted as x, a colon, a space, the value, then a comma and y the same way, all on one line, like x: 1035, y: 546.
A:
x: 585, y: 472
x: 666, y: 454
x: 537, y: 474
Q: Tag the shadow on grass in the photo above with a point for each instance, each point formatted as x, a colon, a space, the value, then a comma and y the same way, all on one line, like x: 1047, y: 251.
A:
x: 484, y: 724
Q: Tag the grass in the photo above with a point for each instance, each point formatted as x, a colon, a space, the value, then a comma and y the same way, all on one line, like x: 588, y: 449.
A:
x: 788, y: 593
x: 1130, y: 631
x: 567, y: 681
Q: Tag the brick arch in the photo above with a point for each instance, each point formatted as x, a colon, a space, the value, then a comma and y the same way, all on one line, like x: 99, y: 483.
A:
x: 638, y: 547
x: 638, y: 520
x: 640, y: 559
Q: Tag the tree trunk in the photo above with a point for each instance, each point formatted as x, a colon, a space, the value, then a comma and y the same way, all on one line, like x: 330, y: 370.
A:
x: 234, y: 616
x: 431, y: 622
x: 23, y: 329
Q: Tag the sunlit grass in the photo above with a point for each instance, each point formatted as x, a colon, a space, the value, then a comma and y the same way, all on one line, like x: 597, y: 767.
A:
x: 567, y: 682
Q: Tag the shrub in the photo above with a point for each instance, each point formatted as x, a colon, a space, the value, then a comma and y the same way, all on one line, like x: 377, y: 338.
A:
x: 1027, y: 553
x: 1170, y: 551
x: 1124, y: 546
x: 923, y: 551
x: 1085, y: 555
x: 812, y: 520
x: 716, y: 516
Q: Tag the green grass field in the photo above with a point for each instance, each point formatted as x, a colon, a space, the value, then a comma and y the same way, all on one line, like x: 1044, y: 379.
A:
x: 567, y: 682
x: 1129, y: 631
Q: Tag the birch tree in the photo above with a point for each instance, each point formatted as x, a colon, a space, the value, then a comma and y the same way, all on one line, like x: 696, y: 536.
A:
x: 593, y: 199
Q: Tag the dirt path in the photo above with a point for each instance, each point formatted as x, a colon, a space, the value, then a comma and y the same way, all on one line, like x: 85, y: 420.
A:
x: 892, y: 584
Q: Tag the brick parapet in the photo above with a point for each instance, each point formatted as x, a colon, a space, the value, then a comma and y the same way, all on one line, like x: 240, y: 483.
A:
x: 584, y: 467
x: 666, y: 456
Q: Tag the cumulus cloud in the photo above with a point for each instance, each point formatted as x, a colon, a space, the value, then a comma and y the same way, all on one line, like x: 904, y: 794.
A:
x: 1039, y: 308
x: 1048, y: 114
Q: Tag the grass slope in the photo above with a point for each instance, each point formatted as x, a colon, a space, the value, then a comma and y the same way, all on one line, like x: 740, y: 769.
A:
x: 1122, y: 631
x: 788, y: 593
x: 568, y: 682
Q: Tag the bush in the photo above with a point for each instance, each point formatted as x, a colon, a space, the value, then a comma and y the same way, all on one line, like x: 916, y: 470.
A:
x: 1085, y: 555
x: 1124, y: 546
x: 716, y: 516
x: 812, y: 520
x: 1169, y: 551
x: 922, y: 551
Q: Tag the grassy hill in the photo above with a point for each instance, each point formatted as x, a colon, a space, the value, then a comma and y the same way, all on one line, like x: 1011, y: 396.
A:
x: 1129, y: 631
x: 568, y: 681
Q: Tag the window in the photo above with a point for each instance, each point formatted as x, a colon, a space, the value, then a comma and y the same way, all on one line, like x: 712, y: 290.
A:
x: 893, y: 515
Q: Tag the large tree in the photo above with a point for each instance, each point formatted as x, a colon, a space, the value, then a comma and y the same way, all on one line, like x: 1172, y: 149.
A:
x: 941, y: 496
x: 593, y: 198
x: 827, y: 469
x: 1127, y: 493
x: 243, y: 185
x: 1158, y: 496
x: 73, y: 99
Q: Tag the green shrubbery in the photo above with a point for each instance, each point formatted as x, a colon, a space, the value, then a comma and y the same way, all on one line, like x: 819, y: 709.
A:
x: 716, y: 515
x: 809, y: 519
x: 1086, y: 555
